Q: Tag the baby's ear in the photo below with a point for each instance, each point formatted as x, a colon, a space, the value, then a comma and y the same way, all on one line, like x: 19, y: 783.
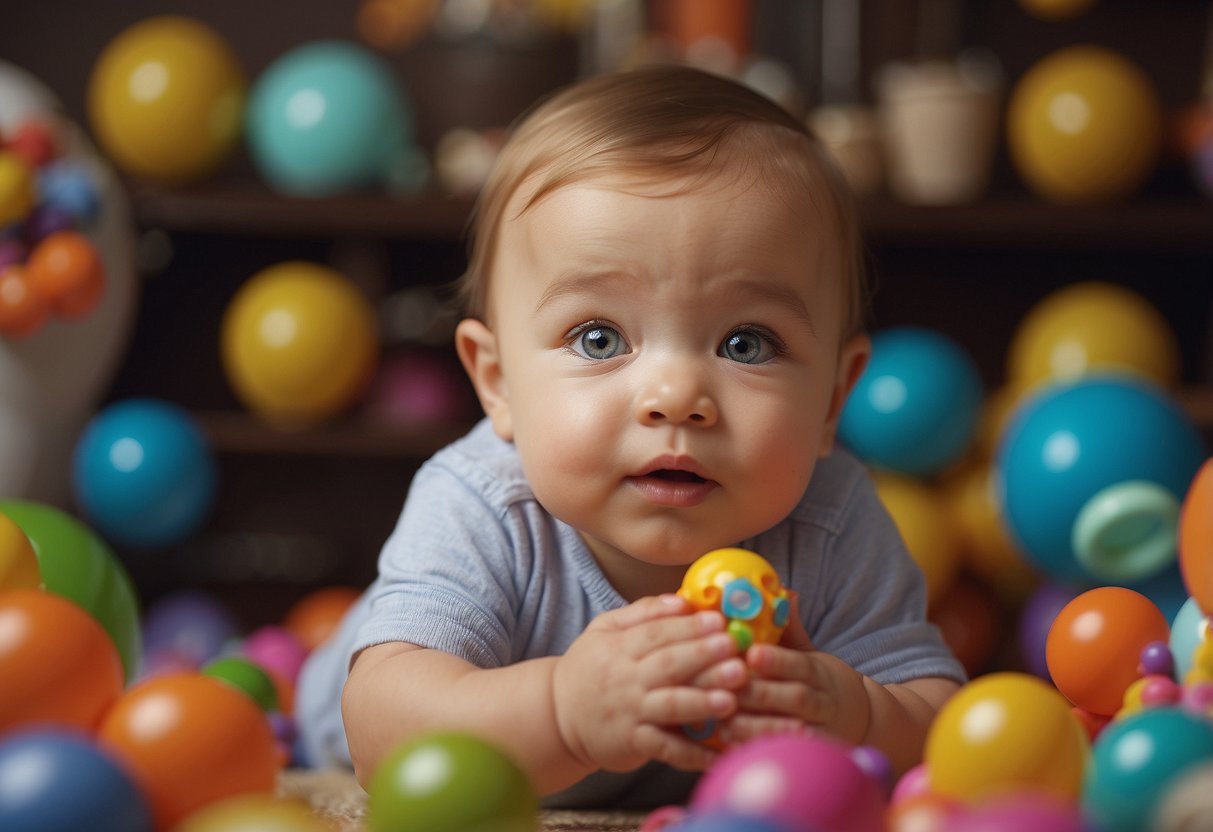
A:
x: 477, y: 348
x: 852, y: 360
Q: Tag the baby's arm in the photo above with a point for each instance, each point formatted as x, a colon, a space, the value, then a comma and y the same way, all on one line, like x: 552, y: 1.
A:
x: 613, y: 701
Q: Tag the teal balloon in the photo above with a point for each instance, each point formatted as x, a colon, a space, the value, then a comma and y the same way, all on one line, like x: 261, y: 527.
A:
x: 1135, y: 760
x: 77, y: 564
x: 451, y: 782
x: 328, y: 117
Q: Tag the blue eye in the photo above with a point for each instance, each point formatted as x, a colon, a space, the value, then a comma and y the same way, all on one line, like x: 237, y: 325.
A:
x: 598, y: 342
x: 748, y: 347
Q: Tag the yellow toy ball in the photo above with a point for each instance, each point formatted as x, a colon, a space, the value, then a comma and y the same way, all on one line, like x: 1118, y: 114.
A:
x: 166, y: 99
x: 1003, y: 732
x: 1056, y: 9
x: 18, y: 563
x: 253, y: 812
x: 745, y: 588
x: 1084, y: 125
x: 1093, y: 326
x: 921, y: 514
x: 299, y: 343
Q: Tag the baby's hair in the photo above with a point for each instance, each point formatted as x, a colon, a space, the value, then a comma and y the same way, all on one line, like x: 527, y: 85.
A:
x: 663, y: 122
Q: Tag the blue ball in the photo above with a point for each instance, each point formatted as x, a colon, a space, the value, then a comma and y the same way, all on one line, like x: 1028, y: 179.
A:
x: 1070, y: 442
x: 56, y: 781
x: 1135, y: 760
x: 68, y: 187
x: 326, y: 118
x: 915, y: 408
x: 728, y: 822
x: 143, y: 474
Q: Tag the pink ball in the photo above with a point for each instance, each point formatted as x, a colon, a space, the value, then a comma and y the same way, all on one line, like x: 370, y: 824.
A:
x: 419, y: 389
x: 1159, y: 690
x: 913, y: 782
x: 275, y: 649
x: 799, y: 780
x: 1018, y: 811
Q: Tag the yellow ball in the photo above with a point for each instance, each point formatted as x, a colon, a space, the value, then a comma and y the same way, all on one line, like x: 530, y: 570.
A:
x: 1002, y: 732
x: 18, y: 563
x: 744, y: 587
x: 1093, y: 326
x: 1056, y: 9
x: 1084, y: 125
x: 987, y: 549
x: 299, y: 343
x: 920, y: 512
x: 166, y: 99
x: 16, y: 189
x: 253, y: 812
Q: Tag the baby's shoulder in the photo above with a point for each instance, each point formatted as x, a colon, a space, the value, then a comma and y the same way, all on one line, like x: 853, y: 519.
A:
x: 840, y: 482
x: 485, y: 464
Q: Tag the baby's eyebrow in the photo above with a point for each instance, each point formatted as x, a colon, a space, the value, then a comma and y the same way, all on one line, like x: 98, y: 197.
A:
x: 746, y: 288
x: 584, y: 283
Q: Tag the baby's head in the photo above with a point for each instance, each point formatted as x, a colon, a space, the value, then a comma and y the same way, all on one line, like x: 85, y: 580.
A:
x: 664, y: 124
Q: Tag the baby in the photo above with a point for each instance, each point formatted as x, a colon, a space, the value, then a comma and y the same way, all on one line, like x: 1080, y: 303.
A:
x: 664, y: 317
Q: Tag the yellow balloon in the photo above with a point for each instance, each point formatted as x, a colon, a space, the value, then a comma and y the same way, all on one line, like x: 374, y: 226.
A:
x: 987, y: 550
x: 299, y: 343
x: 1056, y: 9
x: 253, y: 813
x: 1093, y: 326
x: 18, y: 563
x: 1084, y: 125
x: 921, y: 515
x: 166, y: 99
x: 1003, y: 732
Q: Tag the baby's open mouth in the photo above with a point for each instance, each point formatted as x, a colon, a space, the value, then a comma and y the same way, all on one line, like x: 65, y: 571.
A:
x: 675, y: 476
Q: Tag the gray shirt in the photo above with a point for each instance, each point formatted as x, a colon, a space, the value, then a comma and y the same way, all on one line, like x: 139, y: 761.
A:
x: 477, y: 568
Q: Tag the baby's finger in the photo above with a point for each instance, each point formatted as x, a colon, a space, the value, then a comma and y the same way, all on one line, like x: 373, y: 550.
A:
x: 730, y: 674
x: 793, y: 699
x: 745, y: 727
x: 677, y: 663
x: 682, y: 706
x: 772, y: 662
x: 672, y: 748
x: 651, y: 636
x: 638, y: 612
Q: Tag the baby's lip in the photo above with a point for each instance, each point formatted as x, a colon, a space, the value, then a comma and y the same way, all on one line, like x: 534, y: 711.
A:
x: 675, y: 464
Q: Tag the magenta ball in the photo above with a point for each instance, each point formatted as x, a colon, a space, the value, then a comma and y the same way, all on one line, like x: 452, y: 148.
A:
x: 275, y: 649
x: 911, y: 784
x: 1016, y: 812
x: 419, y: 389
x: 796, y: 780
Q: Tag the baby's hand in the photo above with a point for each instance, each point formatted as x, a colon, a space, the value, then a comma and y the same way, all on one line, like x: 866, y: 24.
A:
x: 636, y: 675
x: 793, y: 686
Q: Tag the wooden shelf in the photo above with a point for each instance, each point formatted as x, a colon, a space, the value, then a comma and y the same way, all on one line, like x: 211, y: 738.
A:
x: 1166, y: 224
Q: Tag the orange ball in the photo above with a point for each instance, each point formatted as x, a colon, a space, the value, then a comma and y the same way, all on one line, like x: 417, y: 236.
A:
x: 57, y: 664
x: 189, y: 740
x: 315, y: 617
x: 1196, y: 538
x: 66, y: 271
x: 1095, y: 644
x: 22, y: 310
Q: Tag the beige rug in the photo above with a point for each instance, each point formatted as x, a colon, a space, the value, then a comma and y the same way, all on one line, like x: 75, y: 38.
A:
x: 337, y: 797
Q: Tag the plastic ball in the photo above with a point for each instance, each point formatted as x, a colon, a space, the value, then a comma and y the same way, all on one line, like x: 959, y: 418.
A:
x: 245, y: 676
x: 316, y: 616
x: 166, y: 99
x: 1084, y: 125
x: 920, y: 512
x: 189, y: 740
x: 253, y: 813
x: 68, y: 187
x: 1156, y: 659
x: 1090, y: 327
x: 1189, y: 628
x: 77, y: 564
x: 1019, y: 811
x: 925, y: 812
x: 724, y: 822
x: 191, y: 623
x: 54, y: 781
x: 1090, y: 475
x: 17, y: 193
x: 802, y: 780
x: 1185, y: 804
x: 1036, y: 618
x: 1057, y: 9
x: 986, y: 549
x: 913, y: 783
x: 1196, y: 538
x: 275, y: 649
x: 915, y: 408
x: 1135, y: 759
x: 299, y: 343
x: 450, y: 782
x: 144, y: 473
x: 65, y: 269
x: 23, y: 311
x: 742, y: 586
x: 969, y: 618
x: 18, y: 563
x: 419, y: 389
x: 327, y: 117
x: 34, y: 141
x: 1006, y: 731
x: 58, y: 665
x: 1095, y: 645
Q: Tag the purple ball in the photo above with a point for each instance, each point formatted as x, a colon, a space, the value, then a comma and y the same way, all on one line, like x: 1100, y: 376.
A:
x: 190, y: 624
x: 44, y: 221
x: 797, y: 780
x: 1036, y: 619
x: 277, y: 650
x: 1156, y: 660
x: 11, y: 251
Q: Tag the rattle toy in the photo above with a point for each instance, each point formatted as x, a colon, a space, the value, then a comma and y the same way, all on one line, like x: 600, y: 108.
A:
x: 742, y: 586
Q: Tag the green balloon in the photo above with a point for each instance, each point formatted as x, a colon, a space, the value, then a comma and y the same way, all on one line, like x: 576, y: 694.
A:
x: 77, y: 564
x: 451, y: 782
x: 246, y: 677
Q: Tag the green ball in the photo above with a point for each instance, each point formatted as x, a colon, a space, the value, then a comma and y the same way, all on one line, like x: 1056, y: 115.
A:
x: 246, y: 677
x: 451, y: 782
x: 77, y: 564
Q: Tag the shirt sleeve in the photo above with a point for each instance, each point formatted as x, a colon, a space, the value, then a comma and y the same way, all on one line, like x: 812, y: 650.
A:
x: 872, y: 599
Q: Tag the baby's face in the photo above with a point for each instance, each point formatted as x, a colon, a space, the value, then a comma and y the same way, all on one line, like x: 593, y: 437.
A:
x: 671, y: 363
